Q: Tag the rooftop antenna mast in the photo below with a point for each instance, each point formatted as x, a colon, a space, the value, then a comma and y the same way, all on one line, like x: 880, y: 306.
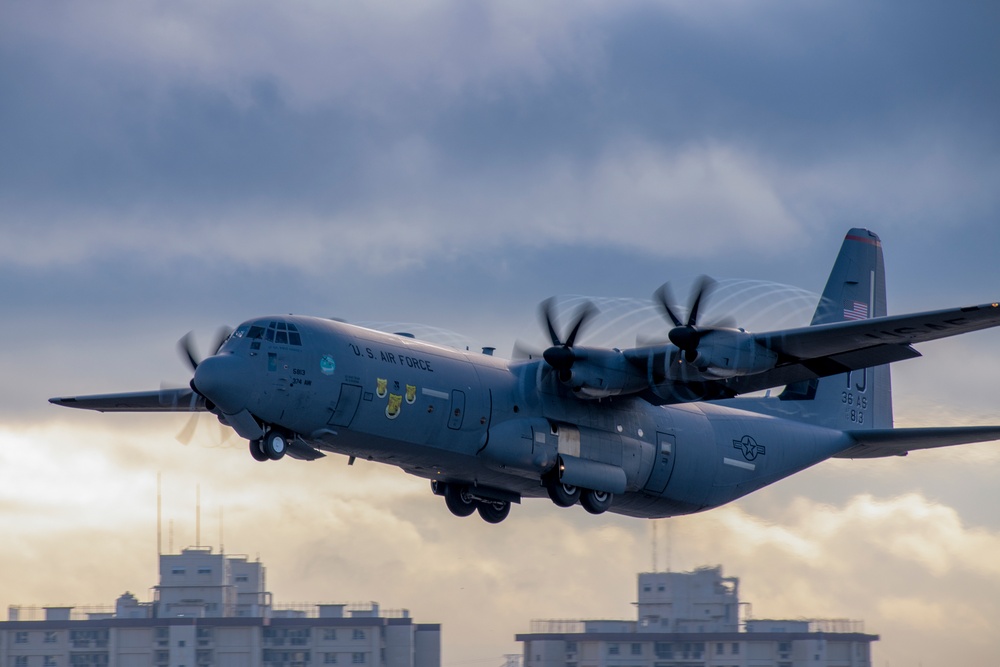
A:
x: 197, y: 516
x: 654, y: 544
x: 669, y: 546
x: 159, y: 515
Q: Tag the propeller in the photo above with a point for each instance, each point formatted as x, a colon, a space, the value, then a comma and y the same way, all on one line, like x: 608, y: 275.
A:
x: 687, y: 334
x: 561, y: 355
x: 189, y: 353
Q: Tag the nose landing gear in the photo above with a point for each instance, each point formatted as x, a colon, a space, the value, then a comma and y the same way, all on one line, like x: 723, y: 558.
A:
x: 272, y: 447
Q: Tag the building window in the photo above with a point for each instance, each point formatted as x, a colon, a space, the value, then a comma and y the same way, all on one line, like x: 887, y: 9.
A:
x: 50, y: 661
x: 613, y: 649
x: 636, y: 649
x: 329, y: 658
x: 21, y: 661
x: 571, y: 647
x: 735, y: 650
x: 178, y: 571
x: 330, y: 634
x: 50, y: 637
x: 242, y: 579
x: 204, y: 570
x: 92, y: 660
x: 21, y: 638
x: 720, y: 648
x: 664, y: 650
x: 358, y: 634
x: 358, y: 659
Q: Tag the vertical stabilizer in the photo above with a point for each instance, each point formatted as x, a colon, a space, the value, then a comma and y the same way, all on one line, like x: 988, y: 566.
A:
x: 860, y: 399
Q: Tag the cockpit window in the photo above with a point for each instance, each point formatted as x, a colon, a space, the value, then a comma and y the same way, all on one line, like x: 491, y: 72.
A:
x: 281, y: 333
x: 240, y: 332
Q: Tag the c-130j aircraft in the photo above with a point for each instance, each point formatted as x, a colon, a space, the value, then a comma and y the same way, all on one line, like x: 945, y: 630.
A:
x: 652, y: 431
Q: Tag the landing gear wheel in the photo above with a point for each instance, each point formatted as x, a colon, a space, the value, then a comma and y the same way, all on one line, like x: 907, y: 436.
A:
x: 596, y: 502
x: 275, y: 444
x: 458, y: 500
x: 257, y: 452
x: 563, y: 495
x: 493, y: 511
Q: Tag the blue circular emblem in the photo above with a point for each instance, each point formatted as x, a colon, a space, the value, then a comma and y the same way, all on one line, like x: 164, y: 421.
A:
x: 327, y: 365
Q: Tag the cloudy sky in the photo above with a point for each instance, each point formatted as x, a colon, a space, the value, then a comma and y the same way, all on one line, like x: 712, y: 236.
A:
x: 174, y: 167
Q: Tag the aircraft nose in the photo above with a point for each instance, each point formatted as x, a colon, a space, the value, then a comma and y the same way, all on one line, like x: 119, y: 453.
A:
x: 223, y: 379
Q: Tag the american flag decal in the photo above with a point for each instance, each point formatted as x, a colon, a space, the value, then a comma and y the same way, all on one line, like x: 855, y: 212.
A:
x: 855, y: 310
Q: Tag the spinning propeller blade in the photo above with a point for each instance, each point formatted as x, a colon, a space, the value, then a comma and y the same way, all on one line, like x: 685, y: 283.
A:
x: 561, y: 355
x: 687, y: 334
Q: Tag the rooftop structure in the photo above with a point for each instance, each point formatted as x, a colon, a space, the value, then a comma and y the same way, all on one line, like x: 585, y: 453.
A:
x: 695, y: 619
x: 214, y: 609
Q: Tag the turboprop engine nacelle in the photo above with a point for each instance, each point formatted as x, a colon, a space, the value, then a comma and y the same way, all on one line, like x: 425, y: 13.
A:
x: 725, y: 353
x: 599, y: 373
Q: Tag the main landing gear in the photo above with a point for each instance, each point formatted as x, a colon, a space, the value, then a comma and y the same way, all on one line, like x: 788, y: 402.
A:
x: 462, y: 501
x: 566, y: 495
x: 271, y: 447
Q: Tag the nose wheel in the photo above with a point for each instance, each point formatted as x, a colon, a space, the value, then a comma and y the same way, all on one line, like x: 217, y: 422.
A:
x: 257, y: 451
x: 271, y: 447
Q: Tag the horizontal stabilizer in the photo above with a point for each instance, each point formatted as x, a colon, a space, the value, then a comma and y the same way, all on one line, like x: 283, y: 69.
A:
x: 899, y: 441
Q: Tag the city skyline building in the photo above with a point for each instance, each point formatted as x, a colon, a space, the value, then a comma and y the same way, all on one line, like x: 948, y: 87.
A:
x: 695, y: 619
x: 214, y: 609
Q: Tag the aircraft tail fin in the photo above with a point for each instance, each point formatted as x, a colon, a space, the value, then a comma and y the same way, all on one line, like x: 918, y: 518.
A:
x: 855, y: 290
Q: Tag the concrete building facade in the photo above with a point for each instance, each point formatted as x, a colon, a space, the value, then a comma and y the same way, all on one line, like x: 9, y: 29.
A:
x: 214, y: 610
x: 695, y: 619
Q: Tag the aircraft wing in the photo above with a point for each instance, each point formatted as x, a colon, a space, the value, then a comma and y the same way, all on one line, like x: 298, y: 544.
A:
x: 899, y: 441
x: 827, y: 340
x: 164, y: 400
x: 822, y: 350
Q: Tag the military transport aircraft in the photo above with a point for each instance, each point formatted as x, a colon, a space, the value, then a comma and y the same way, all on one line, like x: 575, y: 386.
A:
x: 652, y: 431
